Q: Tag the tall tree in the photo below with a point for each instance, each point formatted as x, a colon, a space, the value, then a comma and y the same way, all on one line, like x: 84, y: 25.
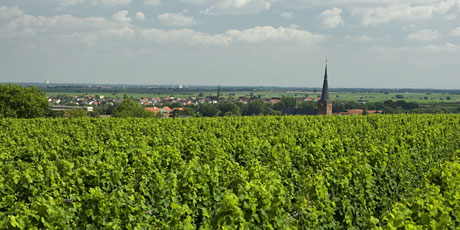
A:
x: 256, y: 107
x: 229, y: 108
x: 208, y: 110
x: 285, y: 103
x: 130, y: 108
x: 21, y: 102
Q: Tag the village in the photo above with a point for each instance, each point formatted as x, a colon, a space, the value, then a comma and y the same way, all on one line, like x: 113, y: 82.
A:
x: 167, y: 105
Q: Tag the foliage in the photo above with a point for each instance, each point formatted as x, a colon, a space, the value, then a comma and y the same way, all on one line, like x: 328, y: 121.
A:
x: 55, y: 113
x: 307, y: 105
x: 229, y: 108
x: 310, y: 172
x: 20, y: 102
x: 130, y: 108
x: 435, y: 205
x: 285, y: 103
x: 208, y: 110
x: 74, y: 113
x: 256, y: 107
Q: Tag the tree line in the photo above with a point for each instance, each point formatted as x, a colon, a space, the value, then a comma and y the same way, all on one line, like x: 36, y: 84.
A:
x: 29, y: 102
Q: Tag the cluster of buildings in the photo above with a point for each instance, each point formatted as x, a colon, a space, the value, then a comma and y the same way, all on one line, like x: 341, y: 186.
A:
x: 84, y: 100
x: 159, y: 105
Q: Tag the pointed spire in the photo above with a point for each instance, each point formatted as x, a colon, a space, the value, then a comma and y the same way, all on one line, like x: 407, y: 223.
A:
x: 325, y: 71
x: 325, y: 92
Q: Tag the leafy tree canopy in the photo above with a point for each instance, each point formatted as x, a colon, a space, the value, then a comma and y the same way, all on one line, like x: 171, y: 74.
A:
x: 20, y: 102
x: 208, y: 110
x: 130, y: 108
x: 229, y: 108
x: 74, y: 113
x: 285, y: 103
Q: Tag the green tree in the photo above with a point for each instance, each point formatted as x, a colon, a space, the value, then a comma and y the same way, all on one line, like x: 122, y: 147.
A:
x: 54, y: 113
x: 285, y: 103
x: 256, y: 107
x: 336, y: 107
x: 208, y: 110
x: 308, y: 105
x: 94, y: 113
x: 130, y: 108
x: 188, y: 111
x: 229, y: 108
x: 21, y: 102
x: 74, y: 113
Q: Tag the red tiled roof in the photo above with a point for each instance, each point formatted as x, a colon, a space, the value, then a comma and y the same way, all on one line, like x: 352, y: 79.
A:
x: 355, y: 111
x: 154, y: 109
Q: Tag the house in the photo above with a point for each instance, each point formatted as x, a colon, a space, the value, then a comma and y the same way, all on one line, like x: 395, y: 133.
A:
x: 352, y: 112
x: 153, y: 109
x: 164, y: 110
x: 64, y: 108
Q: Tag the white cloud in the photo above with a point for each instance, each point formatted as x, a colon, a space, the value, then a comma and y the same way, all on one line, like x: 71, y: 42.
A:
x: 196, y: 2
x: 66, y: 22
x: 287, y: 14
x: 331, y: 18
x: 121, y: 16
x: 80, y: 38
x: 124, y: 32
x: 185, y: 36
x: 253, y: 35
x: 408, y: 11
x: 446, y: 48
x: 152, y: 2
x: 140, y: 16
x: 67, y: 3
x: 362, y: 38
x: 63, y: 28
x: 349, y: 3
x: 233, y: 6
x: 90, y: 30
x: 424, y: 35
x: 271, y: 34
x: 111, y: 2
x: 7, y: 13
x: 173, y: 19
x: 455, y: 32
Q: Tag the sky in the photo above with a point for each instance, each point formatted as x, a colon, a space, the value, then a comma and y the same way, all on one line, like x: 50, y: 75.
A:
x: 368, y: 43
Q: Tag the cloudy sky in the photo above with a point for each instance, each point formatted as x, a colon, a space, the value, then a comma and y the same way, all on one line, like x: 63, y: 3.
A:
x: 368, y: 43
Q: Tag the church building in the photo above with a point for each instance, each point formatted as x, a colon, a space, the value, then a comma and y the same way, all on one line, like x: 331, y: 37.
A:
x: 325, y: 104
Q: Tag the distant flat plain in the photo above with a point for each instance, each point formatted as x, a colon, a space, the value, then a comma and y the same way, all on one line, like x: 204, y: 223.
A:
x: 338, y: 96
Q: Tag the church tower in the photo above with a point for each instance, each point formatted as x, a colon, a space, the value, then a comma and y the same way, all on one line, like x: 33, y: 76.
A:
x: 325, y: 104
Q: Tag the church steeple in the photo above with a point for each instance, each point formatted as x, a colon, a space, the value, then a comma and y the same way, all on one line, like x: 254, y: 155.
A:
x: 325, y: 104
x: 325, y: 92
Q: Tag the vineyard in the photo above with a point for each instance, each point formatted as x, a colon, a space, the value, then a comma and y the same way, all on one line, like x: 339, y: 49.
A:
x: 309, y: 172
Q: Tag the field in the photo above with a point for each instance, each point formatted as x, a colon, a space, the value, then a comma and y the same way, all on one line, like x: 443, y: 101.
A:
x: 422, y: 98
x: 292, y: 172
